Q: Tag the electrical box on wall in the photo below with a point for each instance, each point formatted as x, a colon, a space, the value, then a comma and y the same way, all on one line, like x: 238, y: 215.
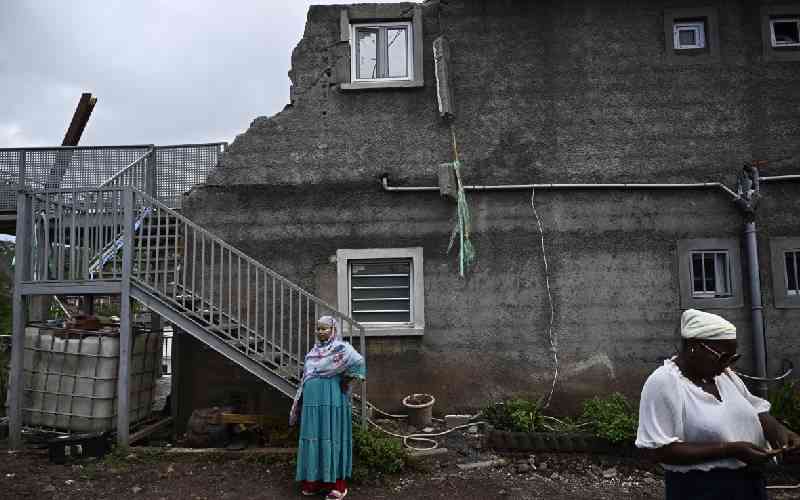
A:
x: 448, y: 184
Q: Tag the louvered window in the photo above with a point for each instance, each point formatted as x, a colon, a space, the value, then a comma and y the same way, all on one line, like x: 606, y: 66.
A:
x: 382, y: 289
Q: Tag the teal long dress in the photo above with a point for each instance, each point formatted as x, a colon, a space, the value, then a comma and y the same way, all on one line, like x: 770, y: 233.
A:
x: 325, y: 450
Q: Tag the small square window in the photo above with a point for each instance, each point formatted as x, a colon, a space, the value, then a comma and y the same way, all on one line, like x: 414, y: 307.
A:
x: 711, y: 274
x: 689, y: 35
x: 708, y: 273
x: 785, y: 32
x: 382, y: 289
x: 792, y: 272
x: 382, y: 51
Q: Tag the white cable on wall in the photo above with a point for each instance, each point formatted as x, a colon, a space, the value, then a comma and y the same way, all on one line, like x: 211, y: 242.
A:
x: 551, y: 334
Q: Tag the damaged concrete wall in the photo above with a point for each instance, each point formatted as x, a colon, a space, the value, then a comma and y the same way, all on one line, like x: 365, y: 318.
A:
x: 547, y: 92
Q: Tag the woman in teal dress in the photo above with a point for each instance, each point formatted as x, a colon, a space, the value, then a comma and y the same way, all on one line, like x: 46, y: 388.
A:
x: 322, y: 404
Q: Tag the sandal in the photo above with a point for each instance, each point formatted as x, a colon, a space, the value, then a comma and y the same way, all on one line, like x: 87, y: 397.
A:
x: 336, y: 495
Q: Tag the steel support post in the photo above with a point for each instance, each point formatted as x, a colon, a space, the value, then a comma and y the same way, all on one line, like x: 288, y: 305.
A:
x: 125, y: 324
x: 21, y: 273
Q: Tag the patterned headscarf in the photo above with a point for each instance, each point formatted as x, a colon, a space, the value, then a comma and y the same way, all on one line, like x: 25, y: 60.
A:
x: 325, y: 360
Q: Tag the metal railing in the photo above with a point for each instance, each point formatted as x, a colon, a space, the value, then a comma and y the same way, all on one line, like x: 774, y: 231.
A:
x: 228, y: 294
x: 263, y: 314
x: 166, y: 172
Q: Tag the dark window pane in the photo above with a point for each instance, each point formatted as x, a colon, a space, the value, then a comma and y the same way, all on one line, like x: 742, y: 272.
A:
x: 380, y: 267
x: 361, y: 282
x: 382, y: 317
x: 786, y: 32
x: 381, y: 293
x: 697, y: 272
x: 381, y: 305
x: 708, y: 267
x: 687, y: 37
x: 791, y: 271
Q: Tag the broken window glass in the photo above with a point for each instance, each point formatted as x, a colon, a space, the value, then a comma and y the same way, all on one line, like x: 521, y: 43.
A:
x: 397, y: 60
x: 367, y: 55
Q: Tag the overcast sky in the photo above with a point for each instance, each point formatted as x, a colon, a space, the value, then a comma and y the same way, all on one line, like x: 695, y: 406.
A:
x: 164, y: 71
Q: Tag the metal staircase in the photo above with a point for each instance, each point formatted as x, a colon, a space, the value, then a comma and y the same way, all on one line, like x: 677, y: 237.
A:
x: 116, y: 239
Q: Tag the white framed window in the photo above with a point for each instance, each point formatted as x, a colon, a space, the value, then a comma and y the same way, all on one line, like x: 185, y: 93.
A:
x: 791, y: 260
x: 382, y: 51
x: 689, y: 35
x: 711, y: 274
x: 383, y: 289
x: 785, y: 32
x: 785, y: 264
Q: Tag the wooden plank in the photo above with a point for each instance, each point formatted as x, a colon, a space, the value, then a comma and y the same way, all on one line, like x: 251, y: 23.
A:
x: 150, y: 429
x: 105, y: 287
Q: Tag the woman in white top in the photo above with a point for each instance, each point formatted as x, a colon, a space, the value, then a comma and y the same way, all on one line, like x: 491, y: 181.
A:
x: 701, y: 422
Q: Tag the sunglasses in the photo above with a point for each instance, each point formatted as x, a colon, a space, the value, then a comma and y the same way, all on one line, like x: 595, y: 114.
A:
x: 724, y: 359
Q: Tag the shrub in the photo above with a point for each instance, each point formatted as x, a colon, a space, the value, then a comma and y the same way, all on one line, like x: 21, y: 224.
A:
x: 375, y: 454
x: 785, y: 401
x: 612, y: 418
x: 516, y: 415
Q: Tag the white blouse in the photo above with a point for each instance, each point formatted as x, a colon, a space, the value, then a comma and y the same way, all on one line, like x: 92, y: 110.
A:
x: 673, y: 409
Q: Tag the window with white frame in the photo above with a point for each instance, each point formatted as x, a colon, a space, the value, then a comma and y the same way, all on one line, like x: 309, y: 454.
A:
x: 792, y: 272
x: 382, y: 51
x: 689, y: 35
x: 711, y: 274
x: 382, y: 289
x: 785, y: 32
x: 785, y: 265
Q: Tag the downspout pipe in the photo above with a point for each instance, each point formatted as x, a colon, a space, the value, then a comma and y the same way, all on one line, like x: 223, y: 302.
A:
x: 756, y: 308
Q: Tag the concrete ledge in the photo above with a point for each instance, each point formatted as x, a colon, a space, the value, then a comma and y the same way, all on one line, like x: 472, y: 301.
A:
x: 403, y: 84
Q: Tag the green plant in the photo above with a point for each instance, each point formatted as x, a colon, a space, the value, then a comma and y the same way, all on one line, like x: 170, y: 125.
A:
x: 516, y: 415
x: 376, y: 454
x: 785, y: 400
x: 611, y: 417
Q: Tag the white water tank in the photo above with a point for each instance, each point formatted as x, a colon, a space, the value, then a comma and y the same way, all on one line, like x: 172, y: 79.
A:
x: 70, y: 378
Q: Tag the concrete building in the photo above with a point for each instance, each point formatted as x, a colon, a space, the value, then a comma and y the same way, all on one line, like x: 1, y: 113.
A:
x: 580, y: 92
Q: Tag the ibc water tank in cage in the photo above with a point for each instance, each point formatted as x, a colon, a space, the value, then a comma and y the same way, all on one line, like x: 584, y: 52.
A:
x: 70, y: 378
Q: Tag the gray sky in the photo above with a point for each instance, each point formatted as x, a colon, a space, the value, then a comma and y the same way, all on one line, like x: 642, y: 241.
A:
x: 164, y: 71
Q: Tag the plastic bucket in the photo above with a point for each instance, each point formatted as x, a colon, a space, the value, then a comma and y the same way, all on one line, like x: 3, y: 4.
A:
x: 420, y: 409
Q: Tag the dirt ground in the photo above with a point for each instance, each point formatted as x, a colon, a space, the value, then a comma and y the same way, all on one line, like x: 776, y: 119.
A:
x: 149, y: 474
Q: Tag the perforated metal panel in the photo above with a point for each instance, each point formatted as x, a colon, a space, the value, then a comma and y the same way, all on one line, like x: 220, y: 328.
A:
x: 176, y: 169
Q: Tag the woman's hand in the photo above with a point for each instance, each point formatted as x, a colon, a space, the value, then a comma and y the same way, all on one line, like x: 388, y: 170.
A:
x: 750, y: 453
x: 344, y: 385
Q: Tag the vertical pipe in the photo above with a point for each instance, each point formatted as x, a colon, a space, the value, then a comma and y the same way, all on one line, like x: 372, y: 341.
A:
x: 20, y: 318
x: 363, y: 348
x: 125, y: 324
x: 756, y: 308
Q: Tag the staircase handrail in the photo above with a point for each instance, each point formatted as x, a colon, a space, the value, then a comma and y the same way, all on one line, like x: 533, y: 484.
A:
x: 112, y: 181
x: 161, y: 206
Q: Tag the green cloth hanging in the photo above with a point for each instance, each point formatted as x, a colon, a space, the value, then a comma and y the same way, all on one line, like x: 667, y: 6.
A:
x: 466, y: 251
